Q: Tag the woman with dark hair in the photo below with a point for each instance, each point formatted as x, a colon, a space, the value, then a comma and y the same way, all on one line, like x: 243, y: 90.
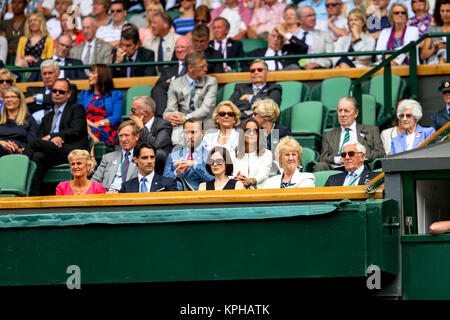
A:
x: 185, y: 22
x: 100, y: 10
x: 253, y: 161
x: 17, y: 126
x: 435, y: 49
x: 202, y: 15
x: 103, y: 106
x: 220, y: 165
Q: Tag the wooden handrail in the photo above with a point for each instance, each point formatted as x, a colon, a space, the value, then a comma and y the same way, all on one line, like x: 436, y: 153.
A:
x: 190, y: 197
x: 291, y: 75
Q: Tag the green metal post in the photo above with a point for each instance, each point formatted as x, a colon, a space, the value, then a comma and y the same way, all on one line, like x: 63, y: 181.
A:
x: 387, y: 88
x: 413, y: 72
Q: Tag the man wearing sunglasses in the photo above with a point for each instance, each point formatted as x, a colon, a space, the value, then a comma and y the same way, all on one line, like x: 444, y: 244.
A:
x: 192, y: 95
x: 61, y: 131
x: 246, y: 93
x: 349, y: 130
x: 39, y: 99
x: 111, y: 33
x: 352, y: 155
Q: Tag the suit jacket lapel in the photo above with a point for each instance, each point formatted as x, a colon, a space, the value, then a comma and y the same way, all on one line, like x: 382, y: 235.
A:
x: 155, y: 183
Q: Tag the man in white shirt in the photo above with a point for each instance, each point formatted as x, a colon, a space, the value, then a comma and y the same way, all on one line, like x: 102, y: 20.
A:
x: 336, y: 24
x: 111, y: 33
x: 237, y: 15
x: 118, y: 166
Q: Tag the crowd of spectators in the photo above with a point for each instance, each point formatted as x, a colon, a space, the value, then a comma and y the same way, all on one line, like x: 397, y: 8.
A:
x: 181, y: 137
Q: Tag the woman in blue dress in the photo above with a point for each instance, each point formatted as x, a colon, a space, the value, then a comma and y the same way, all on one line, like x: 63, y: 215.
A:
x: 103, y: 106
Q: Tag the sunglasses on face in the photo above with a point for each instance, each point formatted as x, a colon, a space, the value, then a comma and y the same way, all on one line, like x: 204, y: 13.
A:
x: 399, y: 12
x: 351, y: 154
x: 197, y: 21
x: 59, y: 91
x: 250, y: 132
x: 408, y: 116
x: 118, y: 11
x: 215, y: 161
x: 9, y: 81
x: 329, y: 5
x: 256, y: 69
x: 223, y: 114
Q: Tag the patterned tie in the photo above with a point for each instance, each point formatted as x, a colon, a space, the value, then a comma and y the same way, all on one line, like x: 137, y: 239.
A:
x: 125, y: 165
x: 183, y: 69
x: 87, y: 57
x: 191, y: 101
x: 55, y: 120
x: 346, y: 138
x: 143, y: 185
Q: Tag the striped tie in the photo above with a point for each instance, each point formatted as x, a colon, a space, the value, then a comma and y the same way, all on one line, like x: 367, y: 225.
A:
x: 346, y: 138
x: 125, y: 165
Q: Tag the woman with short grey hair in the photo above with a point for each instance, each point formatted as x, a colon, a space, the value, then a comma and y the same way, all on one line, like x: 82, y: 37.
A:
x: 409, y: 113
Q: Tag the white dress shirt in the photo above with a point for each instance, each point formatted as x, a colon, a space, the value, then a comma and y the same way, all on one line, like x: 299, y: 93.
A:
x: 353, y: 137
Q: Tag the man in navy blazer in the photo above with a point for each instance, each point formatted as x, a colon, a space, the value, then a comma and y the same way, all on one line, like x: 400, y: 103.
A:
x: 353, y: 154
x: 147, y: 180
x: 61, y: 55
x: 441, y: 117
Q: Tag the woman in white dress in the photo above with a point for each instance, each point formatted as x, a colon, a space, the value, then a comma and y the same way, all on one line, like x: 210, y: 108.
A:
x: 289, y: 154
x: 226, y: 117
x: 252, y: 161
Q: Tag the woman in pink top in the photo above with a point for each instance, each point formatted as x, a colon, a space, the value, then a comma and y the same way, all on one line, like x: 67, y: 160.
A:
x: 81, y: 166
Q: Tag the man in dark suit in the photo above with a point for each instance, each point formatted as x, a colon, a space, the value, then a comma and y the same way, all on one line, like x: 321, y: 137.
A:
x: 277, y: 47
x: 129, y: 51
x: 154, y: 130
x: 61, y: 131
x: 183, y: 45
x: 246, y: 93
x: 441, y: 117
x: 200, y: 41
x: 349, y: 130
x: 61, y: 55
x: 147, y: 180
x: 221, y: 43
x: 353, y: 154
x: 39, y: 99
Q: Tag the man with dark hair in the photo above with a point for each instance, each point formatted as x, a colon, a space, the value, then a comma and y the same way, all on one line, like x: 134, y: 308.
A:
x: 183, y: 46
x: 246, y: 93
x: 117, y: 167
x: 349, y: 130
x: 192, y: 95
x: 130, y: 51
x: 111, y: 33
x: 13, y: 29
x: 163, y: 41
x: 147, y: 180
x: 61, y: 131
x: 200, y: 41
x: 189, y: 162
x: 153, y: 130
x: 441, y: 117
x: 227, y: 47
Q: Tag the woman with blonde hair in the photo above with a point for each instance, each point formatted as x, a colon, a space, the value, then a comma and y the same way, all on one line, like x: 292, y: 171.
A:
x: 81, y: 167
x: 36, y: 44
x: 357, y: 40
x: 226, y: 117
x: 17, y: 126
x: 7, y: 79
x: 147, y: 32
x: 288, y: 154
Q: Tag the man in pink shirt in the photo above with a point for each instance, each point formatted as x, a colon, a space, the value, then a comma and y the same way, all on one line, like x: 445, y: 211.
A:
x: 264, y: 19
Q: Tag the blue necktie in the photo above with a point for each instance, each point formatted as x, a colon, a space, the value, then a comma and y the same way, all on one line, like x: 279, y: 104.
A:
x: 143, y: 185
x: 351, y: 176
x: 191, y: 101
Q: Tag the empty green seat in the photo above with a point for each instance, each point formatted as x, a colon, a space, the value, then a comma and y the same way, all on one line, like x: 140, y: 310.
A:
x: 292, y: 93
x: 252, y: 44
x: 369, y: 106
x: 228, y: 89
x: 322, y: 176
x: 309, y: 159
x: 16, y: 172
x: 58, y: 173
x: 306, y: 123
x: 135, y: 92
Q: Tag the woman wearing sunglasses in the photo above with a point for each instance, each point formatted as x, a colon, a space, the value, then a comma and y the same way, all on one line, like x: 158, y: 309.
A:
x: 17, y: 126
x: 226, y: 118
x: 409, y: 112
x: 253, y: 161
x: 7, y: 79
x: 288, y: 154
x: 220, y: 165
x: 103, y: 106
x: 399, y: 35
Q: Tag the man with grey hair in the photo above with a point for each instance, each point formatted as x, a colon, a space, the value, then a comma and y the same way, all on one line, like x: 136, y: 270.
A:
x: 192, y: 95
x: 39, y: 99
x: 352, y: 155
x: 349, y: 130
x: 153, y: 130
x: 246, y: 93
